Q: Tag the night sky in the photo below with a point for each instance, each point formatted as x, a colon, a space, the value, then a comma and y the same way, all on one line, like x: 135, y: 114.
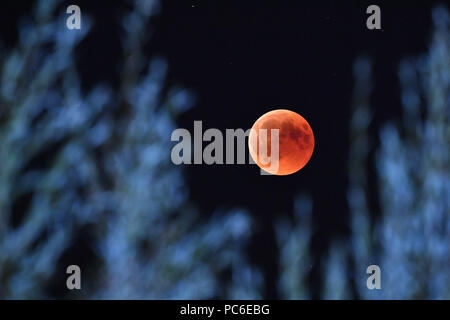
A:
x: 244, y: 58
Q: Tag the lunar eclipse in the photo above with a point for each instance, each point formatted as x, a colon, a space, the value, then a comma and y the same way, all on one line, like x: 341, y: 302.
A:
x: 296, y: 141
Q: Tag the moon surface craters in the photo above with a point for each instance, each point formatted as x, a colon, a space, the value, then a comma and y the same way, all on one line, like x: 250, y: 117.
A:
x: 296, y: 141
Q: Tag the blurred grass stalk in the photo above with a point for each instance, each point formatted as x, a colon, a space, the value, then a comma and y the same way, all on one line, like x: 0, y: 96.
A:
x: 413, y: 165
x: 86, y: 178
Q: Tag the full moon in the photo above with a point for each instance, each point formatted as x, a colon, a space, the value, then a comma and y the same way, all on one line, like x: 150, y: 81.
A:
x: 296, y: 142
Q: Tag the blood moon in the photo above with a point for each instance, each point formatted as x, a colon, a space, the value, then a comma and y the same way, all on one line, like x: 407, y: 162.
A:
x: 296, y: 142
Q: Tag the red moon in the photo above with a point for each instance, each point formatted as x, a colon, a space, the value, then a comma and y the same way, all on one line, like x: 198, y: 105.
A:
x: 296, y: 141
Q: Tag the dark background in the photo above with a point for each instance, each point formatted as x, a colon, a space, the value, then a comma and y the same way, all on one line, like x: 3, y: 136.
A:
x: 244, y: 58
